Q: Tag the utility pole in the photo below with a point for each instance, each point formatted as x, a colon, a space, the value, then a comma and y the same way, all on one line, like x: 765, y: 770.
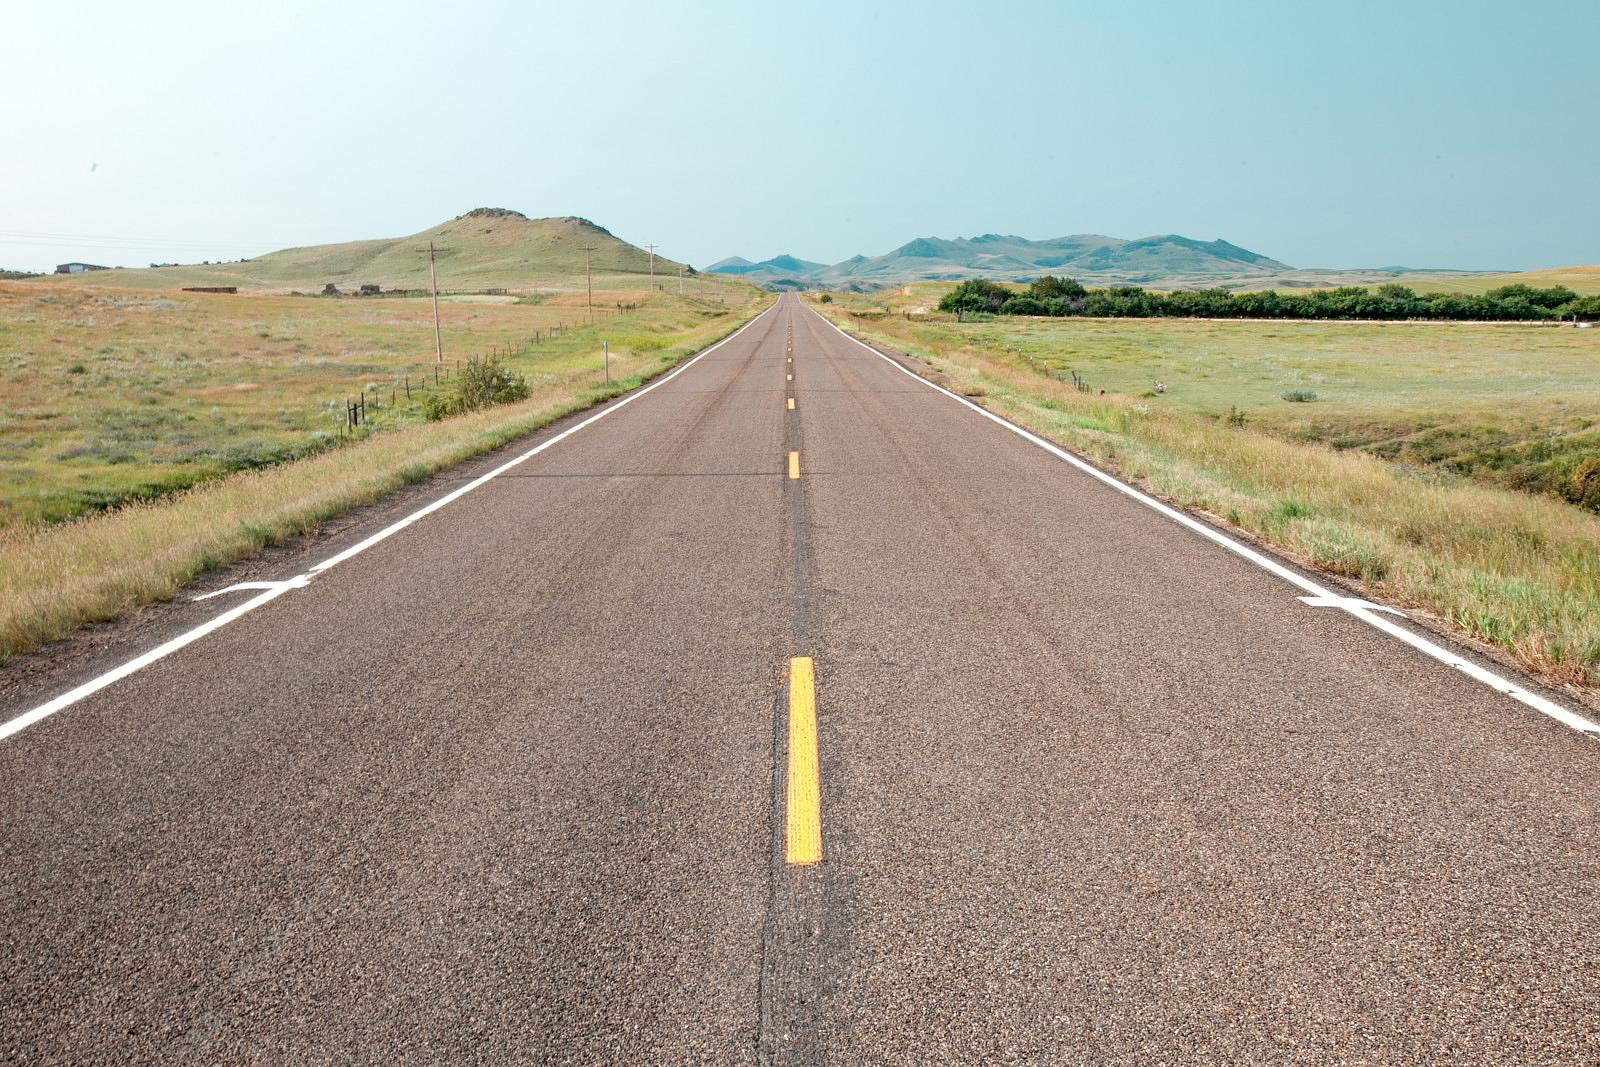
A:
x: 652, y: 249
x: 433, y: 276
x: 588, y: 269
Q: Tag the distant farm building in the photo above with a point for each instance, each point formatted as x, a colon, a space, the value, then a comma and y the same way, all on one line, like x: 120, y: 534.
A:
x: 78, y: 268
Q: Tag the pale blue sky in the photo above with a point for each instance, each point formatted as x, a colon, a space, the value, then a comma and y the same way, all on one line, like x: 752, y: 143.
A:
x: 1332, y: 134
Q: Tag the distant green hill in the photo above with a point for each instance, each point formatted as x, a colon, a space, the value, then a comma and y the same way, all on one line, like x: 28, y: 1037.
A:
x: 784, y: 266
x: 1003, y: 257
x: 485, y: 248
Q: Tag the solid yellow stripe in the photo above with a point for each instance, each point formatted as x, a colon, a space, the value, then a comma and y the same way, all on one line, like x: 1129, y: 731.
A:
x: 788, y: 377
x: 791, y: 403
x: 794, y: 464
x: 804, y: 836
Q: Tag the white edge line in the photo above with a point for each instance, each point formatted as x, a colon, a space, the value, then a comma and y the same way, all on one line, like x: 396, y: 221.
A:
x: 1347, y: 604
x: 116, y: 674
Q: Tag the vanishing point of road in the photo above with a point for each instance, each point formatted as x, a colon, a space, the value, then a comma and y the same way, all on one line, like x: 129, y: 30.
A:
x: 790, y: 712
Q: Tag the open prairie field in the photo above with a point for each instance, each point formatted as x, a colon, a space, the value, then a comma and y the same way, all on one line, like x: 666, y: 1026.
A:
x: 1510, y: 404
x: 1585, y: 281
x: 116, y: 394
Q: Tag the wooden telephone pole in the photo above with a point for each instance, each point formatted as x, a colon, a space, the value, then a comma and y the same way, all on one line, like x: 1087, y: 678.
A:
x: 652, y: 249
x: 588, y: 269
x: 433, y: 276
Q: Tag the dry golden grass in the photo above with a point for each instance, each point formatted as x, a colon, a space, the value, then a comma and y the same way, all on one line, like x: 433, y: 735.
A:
x: 1518, y: 571
x: 114, y: 394
x: 57, y: 577
x: 1585, y: 281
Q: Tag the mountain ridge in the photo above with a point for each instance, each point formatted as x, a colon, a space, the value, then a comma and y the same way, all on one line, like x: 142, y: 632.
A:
x: 1008, y: 257
x: 779, y: 264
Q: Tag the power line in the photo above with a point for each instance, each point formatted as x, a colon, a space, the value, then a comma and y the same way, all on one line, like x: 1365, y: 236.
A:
x: 433, y: 275
x: 588, y: 273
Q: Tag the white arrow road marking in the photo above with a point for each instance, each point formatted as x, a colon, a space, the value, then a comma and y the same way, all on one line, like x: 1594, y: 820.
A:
x: 1348, y: 603
x: 299, y: 581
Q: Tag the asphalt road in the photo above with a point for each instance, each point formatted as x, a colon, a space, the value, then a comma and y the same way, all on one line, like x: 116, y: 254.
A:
x: 510, y: 785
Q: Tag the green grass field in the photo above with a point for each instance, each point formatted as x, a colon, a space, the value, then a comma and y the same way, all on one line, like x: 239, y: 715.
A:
x: 1429, y: 470
x: 115, y: 394
x: 1509, y: 404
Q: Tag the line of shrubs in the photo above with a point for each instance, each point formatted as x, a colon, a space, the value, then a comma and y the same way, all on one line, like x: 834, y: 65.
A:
x: 1051, y: 296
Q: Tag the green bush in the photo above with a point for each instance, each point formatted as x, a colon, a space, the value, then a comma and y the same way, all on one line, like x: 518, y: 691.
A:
x: 1054, y: 296
x: 1051, y: 288
x: 481, y: 383
x: 1584, y: 488
x: 975, y: 295
x: 1300, y: 396
x: 1023, y: 305
x: 1585, y: 308
x: 1541, y: 298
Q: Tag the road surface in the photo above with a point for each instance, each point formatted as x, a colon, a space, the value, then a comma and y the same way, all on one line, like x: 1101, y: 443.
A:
x: 511, y: 785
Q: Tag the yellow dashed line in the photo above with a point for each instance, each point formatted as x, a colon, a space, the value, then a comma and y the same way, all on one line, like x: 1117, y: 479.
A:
x: 794, y: 465
x: 804, y: 836
x: 791, y: 403
x: 788, y: 377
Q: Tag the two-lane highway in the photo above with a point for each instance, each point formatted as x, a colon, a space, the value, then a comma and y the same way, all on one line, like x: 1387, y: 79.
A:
x: 531, y: 780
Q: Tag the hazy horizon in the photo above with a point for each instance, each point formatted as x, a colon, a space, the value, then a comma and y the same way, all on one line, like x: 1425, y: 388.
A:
x: 1429, y: 135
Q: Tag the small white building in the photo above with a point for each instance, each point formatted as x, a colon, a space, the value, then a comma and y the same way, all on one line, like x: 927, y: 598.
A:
x: 78, y: 268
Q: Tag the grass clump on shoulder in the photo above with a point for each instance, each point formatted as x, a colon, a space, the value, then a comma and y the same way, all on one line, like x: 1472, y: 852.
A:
x: 483, y: 382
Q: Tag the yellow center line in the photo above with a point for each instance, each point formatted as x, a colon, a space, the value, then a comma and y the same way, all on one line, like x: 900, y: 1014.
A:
x: 794, y: 465
x: 804, y: 836
x: 788, y: 377
x: 791, y: 403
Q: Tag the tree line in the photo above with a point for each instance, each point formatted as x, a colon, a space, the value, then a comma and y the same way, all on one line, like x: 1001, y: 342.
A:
x: 1057, y: 297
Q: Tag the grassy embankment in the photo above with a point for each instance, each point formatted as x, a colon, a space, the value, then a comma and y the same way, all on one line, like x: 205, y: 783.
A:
x: 1516, y: 569
x: 171, y: 387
